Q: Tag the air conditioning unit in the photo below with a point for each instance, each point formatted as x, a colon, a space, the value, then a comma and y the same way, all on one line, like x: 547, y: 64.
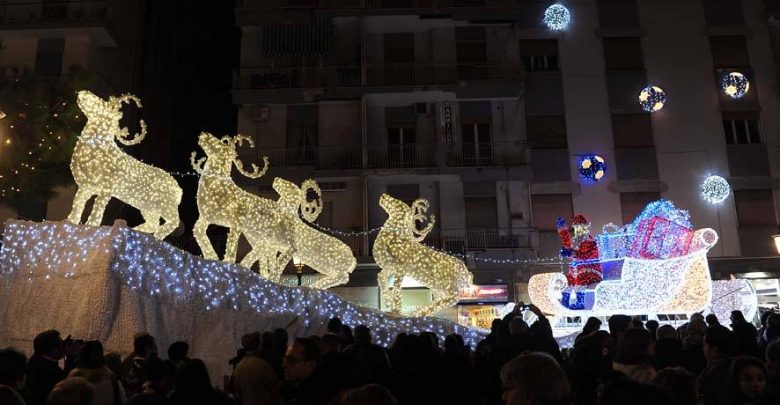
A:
x: 260, y: 114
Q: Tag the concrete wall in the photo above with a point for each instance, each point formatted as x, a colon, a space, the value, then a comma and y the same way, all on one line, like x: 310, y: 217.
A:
x: 689, y: 141
x: 588, y: 125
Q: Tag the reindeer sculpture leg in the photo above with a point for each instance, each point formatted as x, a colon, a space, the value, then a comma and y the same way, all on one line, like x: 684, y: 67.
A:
x: 199, y: 230
x: 231, y: 248
x: 393, y: 298
x: 98, y: 208
x: 79, y: 202
x: 170, y: 224
x: 441, y: 299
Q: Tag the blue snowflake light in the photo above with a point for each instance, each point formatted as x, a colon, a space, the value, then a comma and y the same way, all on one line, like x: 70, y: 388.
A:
x: 652, y: 98
x: 556, y: 17
x: 735, y: 85
x: 715, y: 189
x: 592, y: 168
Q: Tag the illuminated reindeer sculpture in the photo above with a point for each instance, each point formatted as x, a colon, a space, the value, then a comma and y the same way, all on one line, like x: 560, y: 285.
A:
x: 100, y: 168
x: 324, y: 253
x: 399, y: 252
x: 221, y: 202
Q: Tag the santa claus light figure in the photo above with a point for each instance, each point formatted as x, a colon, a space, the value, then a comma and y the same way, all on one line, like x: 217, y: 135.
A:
x: 583, y: 251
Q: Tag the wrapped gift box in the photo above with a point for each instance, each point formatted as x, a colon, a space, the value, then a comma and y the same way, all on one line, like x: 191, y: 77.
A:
x: 660, y: 238
x: 583, y: 299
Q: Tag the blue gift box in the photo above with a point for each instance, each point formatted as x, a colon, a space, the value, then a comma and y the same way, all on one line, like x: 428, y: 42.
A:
x: 583, y: 299
x: 611, y: 269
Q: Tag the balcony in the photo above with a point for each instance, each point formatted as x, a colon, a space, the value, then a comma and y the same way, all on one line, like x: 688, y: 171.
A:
x: 83, y: 17
x: 375, y: 4
x: 252, y: 83
x: 489, y: 154
x: 401, y: 156
x: 320, y: 157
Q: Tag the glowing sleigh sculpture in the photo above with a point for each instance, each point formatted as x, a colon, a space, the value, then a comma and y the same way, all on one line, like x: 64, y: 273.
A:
x: 655, y: 265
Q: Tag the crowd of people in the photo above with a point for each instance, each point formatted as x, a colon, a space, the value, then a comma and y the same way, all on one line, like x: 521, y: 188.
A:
x: 629, y: 362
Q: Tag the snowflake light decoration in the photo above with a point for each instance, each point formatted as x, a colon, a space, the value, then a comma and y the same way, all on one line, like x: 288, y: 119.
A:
x: 715, y: 189
x: 652, y: 98
x: 592, y: 168
x: 735, y: 85
x: 556, y: 17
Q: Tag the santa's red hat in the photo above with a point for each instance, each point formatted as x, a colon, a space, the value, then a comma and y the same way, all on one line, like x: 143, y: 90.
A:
x: 579, y: 219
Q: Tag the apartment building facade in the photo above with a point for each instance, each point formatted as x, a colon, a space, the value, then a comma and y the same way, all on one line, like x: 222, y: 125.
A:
x: 479, y: 108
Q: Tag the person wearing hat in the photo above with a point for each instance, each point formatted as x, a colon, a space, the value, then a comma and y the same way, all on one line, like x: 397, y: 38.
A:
x: 91, y: 365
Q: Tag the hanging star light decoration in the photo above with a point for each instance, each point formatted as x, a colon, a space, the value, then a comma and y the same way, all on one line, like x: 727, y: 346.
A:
x: 652, y: 98
x: 715, y: 189
x: 398, y: 251
x: 556, y: 17
x: 101, y: 169
x: 735, y: 85
x: 592, y: 168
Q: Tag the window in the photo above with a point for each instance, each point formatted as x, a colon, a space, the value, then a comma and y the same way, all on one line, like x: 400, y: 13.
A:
x: 302, y: 129
x: 723, y: 12
x: 404, y: 192
x: 632, y: 130
x: 546, y: 131
x: 755, y: 208
x: 741, y: 127
x: 399, y: 47
x: 633, y: 203
x: 481, y: 212
x: 401, y: 146
x: 618, y: 13
x: 623, y: 54
x: 729, y: 52
x: 477, y: 147
x: 546, y: 208
x: 48, y: 60
x: 539, y: 55
x: 471, y: 49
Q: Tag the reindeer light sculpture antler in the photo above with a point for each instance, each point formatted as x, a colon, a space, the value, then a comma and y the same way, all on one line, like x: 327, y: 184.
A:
x: 256, y: 172
x: 311, y: 209
x: 124, y: 132
x: 419, y: 214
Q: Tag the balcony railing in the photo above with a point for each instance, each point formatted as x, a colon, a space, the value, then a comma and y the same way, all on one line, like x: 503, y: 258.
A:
x: 375, y: 4
x: 490, y: 154
x: 71, y: 12
x: 401, y: 156
x: 400, y: 74
x: 297, y: 77
x: 321, y: 157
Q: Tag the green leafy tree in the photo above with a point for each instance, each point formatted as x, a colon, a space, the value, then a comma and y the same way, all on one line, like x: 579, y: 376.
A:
x: 37, y: 134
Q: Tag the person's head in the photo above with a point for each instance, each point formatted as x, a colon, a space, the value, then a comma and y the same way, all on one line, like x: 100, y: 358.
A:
x: 533, y: 378
x: 362, y: 334
x: 49, y: 344
x: 368, y: 394
x: 680, y: 385
x: 616, y: 389
x: 453, y: 345
x: 281, y: 338
x: 712, y: 320
x: 72, y: 391
x: 9, y: 396
x: 591, y: 325
x: 748, y: 377
x: 666, y: 332
x: 251, y: 342
x: 618, y: 324
x: 329, y: 343
x: 301, y: 359
x: 334, y: 325
x: 773, y: 360
x: 114, y: 362
x: 192, y: 378
x: 12, y: 367
x: 636, y: 322
x: 160, y: 375
x: 517, y: 326
x: 634, y: 347
x: 652, y: 326
x: 178, y: 351
x: 90, y: 355
x: 495, y: 325
x: 737, y: 316
x: 266, y: 340
x: 719, y: 342
x: 765, y: 317
x: 144, y: 345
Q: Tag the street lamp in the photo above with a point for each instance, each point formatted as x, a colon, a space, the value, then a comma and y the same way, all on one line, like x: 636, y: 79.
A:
x: 777, y: 242
x: 298, y: 263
